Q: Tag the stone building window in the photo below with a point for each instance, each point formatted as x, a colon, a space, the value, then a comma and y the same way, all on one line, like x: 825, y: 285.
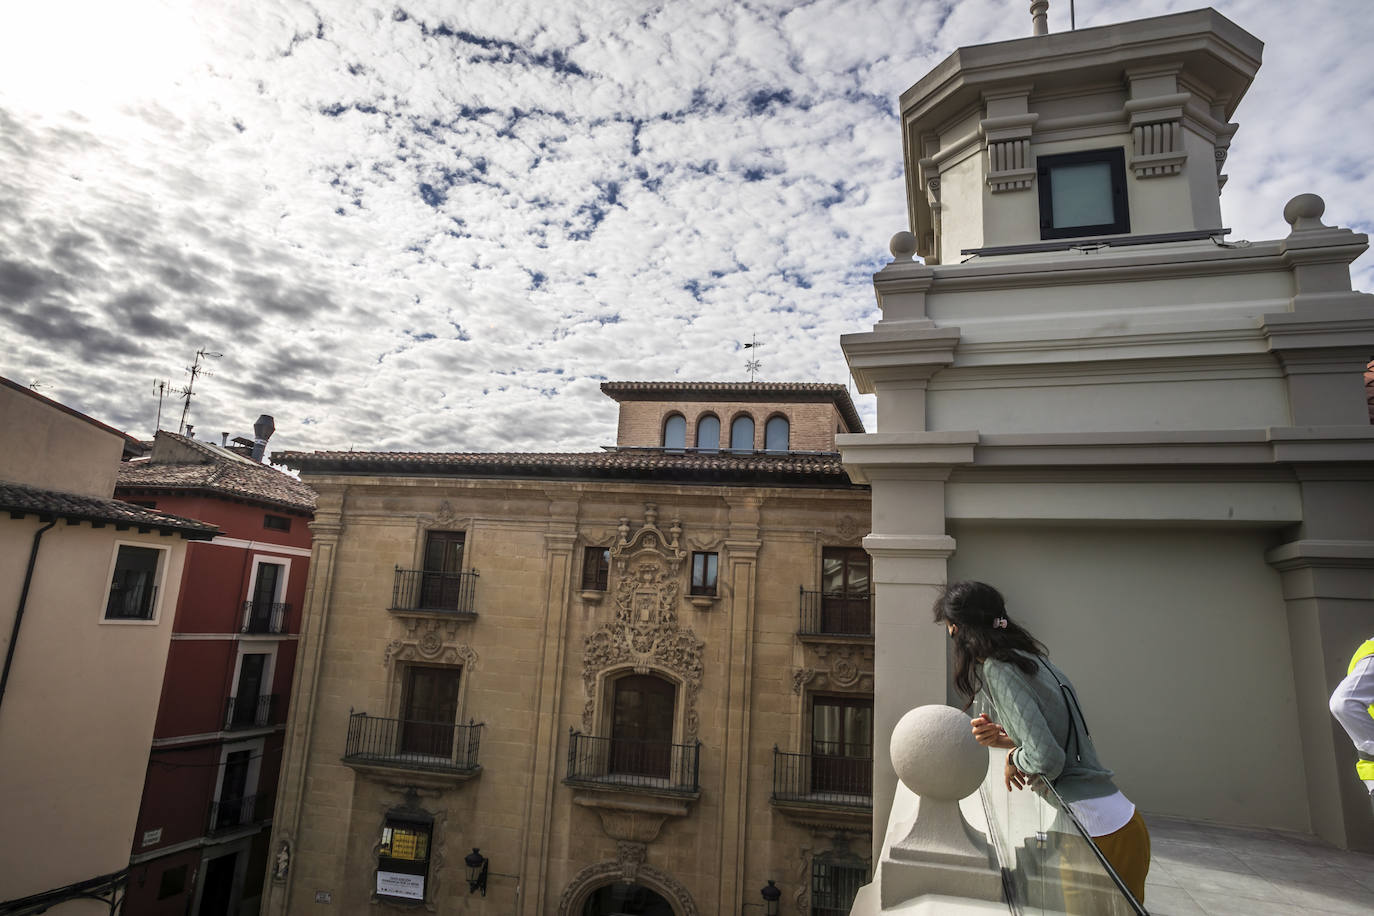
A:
x: 846, y: 603
x: 675, y: 431
x: 742, y: 434
x: 834, y: 886
x: 705, y: 566
x: 1083, y: 194
x: 429, y: 711
x: 842, y: 745
x: 775, y: 434
x: 642, y: 715
x: 708, y: 433
x: 596, y: 569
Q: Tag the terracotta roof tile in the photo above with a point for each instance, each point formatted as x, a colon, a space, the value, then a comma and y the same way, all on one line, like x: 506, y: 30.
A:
x: 791, y: 468
x: 25, y: 500
x: 221, y: 472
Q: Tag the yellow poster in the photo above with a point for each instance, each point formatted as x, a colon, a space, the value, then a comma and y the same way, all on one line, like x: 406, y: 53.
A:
x: 402, y: 844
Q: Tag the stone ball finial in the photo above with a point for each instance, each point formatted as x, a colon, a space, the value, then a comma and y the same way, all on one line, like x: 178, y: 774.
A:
x: 935, y: 755
x: 902, y: 246
x: 1305, y: 212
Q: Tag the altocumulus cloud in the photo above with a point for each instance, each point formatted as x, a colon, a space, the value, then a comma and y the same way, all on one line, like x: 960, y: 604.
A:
x: 442, y: 225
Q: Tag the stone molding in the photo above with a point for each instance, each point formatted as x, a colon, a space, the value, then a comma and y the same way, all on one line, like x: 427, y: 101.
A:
x: 574, y: 897
x: 1011, y: 167
x: 845, y: 668
x: 645, y: 634
x: 429, y: 640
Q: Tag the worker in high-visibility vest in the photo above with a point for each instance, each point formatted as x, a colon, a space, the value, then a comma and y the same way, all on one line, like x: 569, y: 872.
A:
x: 1353, y: 706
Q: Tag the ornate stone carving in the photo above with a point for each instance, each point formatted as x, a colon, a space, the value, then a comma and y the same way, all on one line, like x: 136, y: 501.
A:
x: 574, y: 897
x: 840, y: 667
x: 1158, y: 148
x: 630, y: 856
x: 281, y: 862
x: 645, y: 634
x: 429, y: 640
x: 445, y: 515
x: 1010, y: 164
x: 849, y: 528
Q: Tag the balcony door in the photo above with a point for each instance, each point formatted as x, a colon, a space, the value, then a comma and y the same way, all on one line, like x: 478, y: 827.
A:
x: 248, y: 696
x: 642, y: 726
x: 440, y: 584
x: 842, y: 745
x: 429, y: 711
x: 232, y: 790
x: 845, y: 606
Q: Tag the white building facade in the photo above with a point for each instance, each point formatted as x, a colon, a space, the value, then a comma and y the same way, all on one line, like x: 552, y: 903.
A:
x: 1154, y: 440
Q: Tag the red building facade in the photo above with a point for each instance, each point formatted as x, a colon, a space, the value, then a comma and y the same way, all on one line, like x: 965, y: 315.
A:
x: 201, y: 843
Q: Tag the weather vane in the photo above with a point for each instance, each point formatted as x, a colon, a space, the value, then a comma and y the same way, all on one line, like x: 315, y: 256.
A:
x: 753, y: 364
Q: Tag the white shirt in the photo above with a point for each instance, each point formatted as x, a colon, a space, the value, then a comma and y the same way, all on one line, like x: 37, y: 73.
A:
x: 1101, y: 816
x: 1350, y: 705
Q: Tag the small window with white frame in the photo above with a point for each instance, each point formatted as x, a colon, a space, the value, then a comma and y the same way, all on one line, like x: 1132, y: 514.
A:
x: 134, y: 582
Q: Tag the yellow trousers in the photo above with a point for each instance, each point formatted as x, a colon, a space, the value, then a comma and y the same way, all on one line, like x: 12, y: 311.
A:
x: 1128, y: 849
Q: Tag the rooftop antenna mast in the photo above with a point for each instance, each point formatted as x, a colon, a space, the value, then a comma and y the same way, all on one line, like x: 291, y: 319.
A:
x: 753, y: 364
x: 195, y: 369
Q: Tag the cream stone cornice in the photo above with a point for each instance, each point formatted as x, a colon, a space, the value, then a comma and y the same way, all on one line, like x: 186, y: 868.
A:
x: 1197, y: 447
x: 1339, y: 554
x: 905, y: 456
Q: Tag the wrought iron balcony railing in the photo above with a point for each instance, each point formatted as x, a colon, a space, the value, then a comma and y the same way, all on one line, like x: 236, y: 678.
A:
x: 264, y: 616
x: 634, y: 763
x: 823, y: 779
x: 422, y: 590
x: 826, y: 614
x: 250, y: 712
x: 245, y: 811
x: 409, y: 744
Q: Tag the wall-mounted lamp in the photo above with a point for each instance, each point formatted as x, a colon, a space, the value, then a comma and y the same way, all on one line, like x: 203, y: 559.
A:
x: 477, y: 871
x: 771, y: 895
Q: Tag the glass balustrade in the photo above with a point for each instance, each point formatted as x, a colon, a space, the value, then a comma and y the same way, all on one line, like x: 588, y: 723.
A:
x: 1049, y: 866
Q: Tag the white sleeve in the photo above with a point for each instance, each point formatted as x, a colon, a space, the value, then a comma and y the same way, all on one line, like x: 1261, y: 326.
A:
x: 1350, y: 705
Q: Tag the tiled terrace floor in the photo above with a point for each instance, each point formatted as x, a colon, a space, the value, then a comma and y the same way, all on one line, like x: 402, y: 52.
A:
x: 1205, y: 870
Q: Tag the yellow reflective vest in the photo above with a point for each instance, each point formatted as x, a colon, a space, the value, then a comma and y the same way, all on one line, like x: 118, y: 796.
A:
x: 1364, y: 767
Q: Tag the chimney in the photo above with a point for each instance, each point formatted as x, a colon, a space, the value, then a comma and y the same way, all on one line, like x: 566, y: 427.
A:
x: 1040, y: 23
x: 190, y: 431
x: 223, y: 439
x: 262, y: 431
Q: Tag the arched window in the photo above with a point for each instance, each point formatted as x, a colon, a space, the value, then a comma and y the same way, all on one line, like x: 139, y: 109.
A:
x: 742, y: 433
x: 675, y: 431
x: 775, y: 434
x: 708, y: 433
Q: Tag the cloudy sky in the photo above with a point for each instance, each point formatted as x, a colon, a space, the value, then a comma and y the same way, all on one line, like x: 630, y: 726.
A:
x: 440, y: 225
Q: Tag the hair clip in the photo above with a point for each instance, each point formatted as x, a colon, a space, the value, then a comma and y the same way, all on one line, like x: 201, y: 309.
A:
x: 999, y: 623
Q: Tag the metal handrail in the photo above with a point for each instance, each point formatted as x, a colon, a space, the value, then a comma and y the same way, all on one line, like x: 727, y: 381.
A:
x: 244, y: 811
x: 634, y: 763
x: 412, y: 744
x: 250, y: 712
x: 832, y: 614
x: 424, y: 590
x: 826, y: 779
x: 264, y: 616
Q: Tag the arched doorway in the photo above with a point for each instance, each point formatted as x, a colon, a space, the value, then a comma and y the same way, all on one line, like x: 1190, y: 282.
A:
x: 626, y: 900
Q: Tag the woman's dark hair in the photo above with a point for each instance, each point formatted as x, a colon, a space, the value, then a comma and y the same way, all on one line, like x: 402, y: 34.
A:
x: 973, y: 607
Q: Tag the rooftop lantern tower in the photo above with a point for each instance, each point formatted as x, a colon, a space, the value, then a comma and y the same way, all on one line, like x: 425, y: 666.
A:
x: 1115, y: 133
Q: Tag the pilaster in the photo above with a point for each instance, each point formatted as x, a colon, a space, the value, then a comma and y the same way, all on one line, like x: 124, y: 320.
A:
x: 742, y: 550
x: 559, y: 541
x: 286, y: 822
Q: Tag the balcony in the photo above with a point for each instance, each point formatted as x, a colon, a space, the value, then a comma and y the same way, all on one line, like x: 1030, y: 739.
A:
x: 655, y: 766
x: 451, y: 594
x: 237, y: 813
x: 264, y: 617
x: 250, y: 712
x: 829, y: 615
x: 445, y: 751
x: 823, y: 789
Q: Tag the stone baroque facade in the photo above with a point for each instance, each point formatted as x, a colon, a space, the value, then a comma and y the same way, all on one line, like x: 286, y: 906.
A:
x: 542, y: 653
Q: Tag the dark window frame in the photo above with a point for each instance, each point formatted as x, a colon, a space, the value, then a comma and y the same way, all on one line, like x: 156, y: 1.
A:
x: 172, y: 882
x: 117, y: 606
x: 596, y: 568
x: 419, y: 824
x: 710, y: 570
x: 831, y: 883
x: 276, y: 522
x: 1115, y: 158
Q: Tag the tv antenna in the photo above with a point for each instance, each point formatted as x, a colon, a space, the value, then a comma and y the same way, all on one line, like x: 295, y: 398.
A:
x: 195, y: 369
x: 753, y: 364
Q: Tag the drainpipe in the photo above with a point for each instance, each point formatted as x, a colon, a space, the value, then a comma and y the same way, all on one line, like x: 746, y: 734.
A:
x: 23, y: 600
